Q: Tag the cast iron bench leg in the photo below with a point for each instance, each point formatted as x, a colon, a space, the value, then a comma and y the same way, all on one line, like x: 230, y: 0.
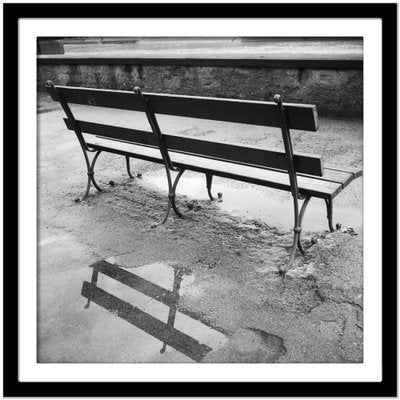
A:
x: 302, y: 211
x: 90, y: 174
x: 329, y: 208
x: 209, y: 184
x: 298, y: 217
x: 171, y: 196
x: 78, y: 132
x: 174, y: 207
x: 128, y: 167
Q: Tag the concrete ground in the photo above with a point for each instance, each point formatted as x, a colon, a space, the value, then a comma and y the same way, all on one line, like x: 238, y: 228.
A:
x: 202, y: 289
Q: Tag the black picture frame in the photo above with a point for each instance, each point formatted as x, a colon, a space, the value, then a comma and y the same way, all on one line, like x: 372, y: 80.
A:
x: 12, y: 386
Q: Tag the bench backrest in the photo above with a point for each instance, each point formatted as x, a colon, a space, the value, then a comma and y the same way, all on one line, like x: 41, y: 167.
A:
x: 299, y: 116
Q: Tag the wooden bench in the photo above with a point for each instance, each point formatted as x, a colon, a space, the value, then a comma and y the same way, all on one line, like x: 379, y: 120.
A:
x: 304, y: 175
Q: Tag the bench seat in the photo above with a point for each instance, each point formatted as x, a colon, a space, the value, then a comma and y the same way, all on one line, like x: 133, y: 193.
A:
x: 334, y: 180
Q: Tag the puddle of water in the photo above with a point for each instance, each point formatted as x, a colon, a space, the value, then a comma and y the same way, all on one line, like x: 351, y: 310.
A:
x: 147, y: 297
x: 256, y: 202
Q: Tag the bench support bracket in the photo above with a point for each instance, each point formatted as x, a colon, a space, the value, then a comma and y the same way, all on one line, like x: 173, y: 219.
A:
x: 291, y: 168
x: 90, y: 174
x: 172, y: 194
x: 297, y: 235
x: 128, y: 167
x: 329, y: 209
x: 85, y: 149
x: 151, y: 117
x: 209, y: 184
x: 302, y: 211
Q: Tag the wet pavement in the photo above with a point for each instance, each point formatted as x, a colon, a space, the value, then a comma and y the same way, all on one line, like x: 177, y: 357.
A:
x: 121, y: 314
x: 255, y: 202
x: 149, y: 300
x: 202, y: 289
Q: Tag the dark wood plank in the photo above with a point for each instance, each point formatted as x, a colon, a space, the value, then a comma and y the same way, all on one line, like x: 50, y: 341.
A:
x: 178, y: 340
x: 249, y: 155
x: 115, y: 132
x: 300, y: 116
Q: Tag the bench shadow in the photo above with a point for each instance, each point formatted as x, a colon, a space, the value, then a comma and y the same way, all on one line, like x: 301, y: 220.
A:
x: 165, y: 332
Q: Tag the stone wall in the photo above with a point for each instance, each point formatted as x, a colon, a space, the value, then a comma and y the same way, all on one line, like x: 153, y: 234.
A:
x: 335, y: 92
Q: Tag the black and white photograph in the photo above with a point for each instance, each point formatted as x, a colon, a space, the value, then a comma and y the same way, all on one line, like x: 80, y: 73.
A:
x: 200, y: 196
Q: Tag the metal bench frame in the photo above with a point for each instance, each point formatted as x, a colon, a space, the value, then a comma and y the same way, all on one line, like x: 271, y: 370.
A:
x: 172, y: 184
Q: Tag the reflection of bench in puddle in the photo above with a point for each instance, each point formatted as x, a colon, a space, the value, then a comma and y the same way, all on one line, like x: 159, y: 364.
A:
x: 165, y: 332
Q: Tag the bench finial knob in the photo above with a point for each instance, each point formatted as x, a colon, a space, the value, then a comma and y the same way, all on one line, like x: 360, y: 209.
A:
x: 277, y: 99
x: 137, y: 90
x: 49, y: 84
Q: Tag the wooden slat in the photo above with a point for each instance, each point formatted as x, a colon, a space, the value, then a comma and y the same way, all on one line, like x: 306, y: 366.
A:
x: 249, y: 155
x: 115, y: 132
x: 262, y: 176
x: 300, y: 116
x: 337, y: 176
x: 356, y: 172
x: 167, y: 334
